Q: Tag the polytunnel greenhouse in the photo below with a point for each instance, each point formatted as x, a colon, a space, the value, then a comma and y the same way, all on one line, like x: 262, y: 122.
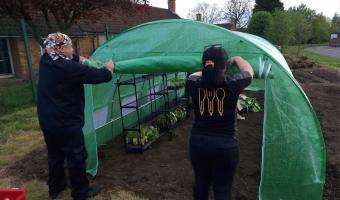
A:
x: 149, y: 56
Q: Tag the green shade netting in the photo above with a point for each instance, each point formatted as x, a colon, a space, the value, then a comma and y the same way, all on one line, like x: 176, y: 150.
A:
x: 293, y: 150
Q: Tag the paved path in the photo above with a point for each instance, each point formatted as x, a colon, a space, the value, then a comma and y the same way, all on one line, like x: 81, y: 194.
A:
x: 326, y: 51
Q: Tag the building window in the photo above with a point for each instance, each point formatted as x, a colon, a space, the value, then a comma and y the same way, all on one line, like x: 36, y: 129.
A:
x: 5, y: 63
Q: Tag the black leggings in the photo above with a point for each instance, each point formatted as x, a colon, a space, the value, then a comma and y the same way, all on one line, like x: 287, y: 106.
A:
x: 66, y: 145
x: 213, y: 164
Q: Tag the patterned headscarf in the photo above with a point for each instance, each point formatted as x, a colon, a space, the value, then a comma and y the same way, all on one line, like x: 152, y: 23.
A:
x: 52, y: 45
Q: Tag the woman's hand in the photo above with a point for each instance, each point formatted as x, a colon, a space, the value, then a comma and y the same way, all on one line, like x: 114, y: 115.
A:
x: 110, y: 66
x: 196, y: 74
x: 236, y: 60
x: 82, y: 59
x: 242, y: 64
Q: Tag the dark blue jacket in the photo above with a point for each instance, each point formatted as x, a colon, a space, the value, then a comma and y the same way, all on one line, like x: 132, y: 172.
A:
x: 61, y: 92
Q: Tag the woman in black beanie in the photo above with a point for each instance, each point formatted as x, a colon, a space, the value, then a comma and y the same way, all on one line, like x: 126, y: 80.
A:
x: 213, y: 143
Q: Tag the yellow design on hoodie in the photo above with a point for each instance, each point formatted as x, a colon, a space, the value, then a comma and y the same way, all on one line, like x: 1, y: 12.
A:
x: 210, y: 96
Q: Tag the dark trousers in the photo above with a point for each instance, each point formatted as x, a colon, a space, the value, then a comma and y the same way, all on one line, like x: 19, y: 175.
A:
x: 66, y: 145
x: 213, y: 163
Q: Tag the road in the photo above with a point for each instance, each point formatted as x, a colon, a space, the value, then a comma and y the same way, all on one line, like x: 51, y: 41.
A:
x: 333, y: 52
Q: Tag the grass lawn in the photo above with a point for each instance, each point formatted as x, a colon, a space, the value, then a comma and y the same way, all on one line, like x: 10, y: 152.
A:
x: 18, y: 122
x: 14, y: 98
x: 19, y: 130
x: 17, y: 110
x: 323, y: 60
x: 20, y: 134
x: 38, y: 190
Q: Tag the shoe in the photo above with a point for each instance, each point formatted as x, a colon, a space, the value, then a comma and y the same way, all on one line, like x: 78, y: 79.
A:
x: 54, y: 196
x: 93, y: 190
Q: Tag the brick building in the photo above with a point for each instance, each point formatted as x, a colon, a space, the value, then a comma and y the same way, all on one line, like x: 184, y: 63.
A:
x: 86, y: 37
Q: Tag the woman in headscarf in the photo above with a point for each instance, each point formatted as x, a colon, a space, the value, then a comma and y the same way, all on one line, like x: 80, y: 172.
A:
x: 213, y: 142
x: 61, y: 113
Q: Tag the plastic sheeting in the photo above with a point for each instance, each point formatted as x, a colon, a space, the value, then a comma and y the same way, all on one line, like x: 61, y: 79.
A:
x: 293, y: 150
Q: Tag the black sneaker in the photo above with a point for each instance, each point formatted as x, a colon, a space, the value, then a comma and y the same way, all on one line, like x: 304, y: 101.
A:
x: 93, y: 190
x: 55, y: 195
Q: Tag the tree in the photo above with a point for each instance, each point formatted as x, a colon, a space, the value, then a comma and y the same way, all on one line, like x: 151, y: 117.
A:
x: 301, y: 18
x: 64, y: 13
x: 336, y: 23
x: 267, y: 5
x: 308, y: 25
x: 259, y: 23
x: 237, y: 12
x: 280, y: 30
x: 210, y: 13
x: 320, y: 29
x: 304, y: 10
x: 301, y: 28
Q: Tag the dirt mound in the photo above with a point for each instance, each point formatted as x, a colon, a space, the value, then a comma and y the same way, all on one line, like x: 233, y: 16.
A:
x: 300, y: 62
x: 33, y: 165
x: 322, y: 88
x: 332, y: 186
x: 330, y: 75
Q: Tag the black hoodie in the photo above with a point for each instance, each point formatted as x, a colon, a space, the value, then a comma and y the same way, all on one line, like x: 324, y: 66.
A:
x: 61, y: 91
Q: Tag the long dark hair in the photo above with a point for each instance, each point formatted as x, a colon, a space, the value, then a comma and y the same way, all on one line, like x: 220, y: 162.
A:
x: 215, y: 62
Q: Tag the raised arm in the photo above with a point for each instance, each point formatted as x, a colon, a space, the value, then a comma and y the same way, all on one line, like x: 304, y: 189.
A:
x: 240, y: 80
x: 78, y: 72
x: 242, y: 64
